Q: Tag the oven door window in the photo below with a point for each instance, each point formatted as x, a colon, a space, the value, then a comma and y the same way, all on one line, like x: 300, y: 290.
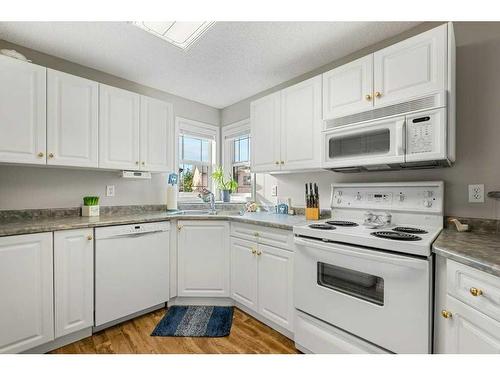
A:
x: 354, y: 283
x: 374, y: 142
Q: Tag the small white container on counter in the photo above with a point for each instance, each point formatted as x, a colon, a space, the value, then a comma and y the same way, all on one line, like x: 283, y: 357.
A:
x: 90, y: 210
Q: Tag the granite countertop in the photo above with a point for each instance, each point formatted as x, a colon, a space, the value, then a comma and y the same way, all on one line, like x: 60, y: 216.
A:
x: 37, y: 225
x: 478, y: 250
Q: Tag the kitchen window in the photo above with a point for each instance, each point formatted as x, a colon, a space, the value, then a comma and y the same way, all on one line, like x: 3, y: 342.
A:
x: 196, y: 157
x: 236, y: 155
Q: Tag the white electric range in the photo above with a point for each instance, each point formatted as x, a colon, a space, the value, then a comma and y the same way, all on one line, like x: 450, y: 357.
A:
x: 363, y: 278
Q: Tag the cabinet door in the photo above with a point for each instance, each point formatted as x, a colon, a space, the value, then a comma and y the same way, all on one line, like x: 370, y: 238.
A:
x: 157, y: 138
x: 22, y: 112
x: 348, y: 89
x: 265, y: 133
x: 203, y: 259
x: 118, y: 128
x: 301, y: 125
x: 275, y: 285
x: 73, y: 280
x: 470, y: 332
x: 412, y: 68
x: 244, y: 272
x: 72, y: 115
x: 26, y: 290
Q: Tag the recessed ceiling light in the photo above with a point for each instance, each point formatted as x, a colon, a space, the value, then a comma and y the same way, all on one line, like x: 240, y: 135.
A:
x: 180, y: 34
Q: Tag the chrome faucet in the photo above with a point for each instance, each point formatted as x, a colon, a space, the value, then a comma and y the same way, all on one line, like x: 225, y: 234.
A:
x: 211, y: 196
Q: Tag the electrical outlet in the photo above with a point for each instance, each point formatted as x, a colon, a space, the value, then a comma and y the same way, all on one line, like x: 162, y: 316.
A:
x: 274, y: 191
x: 110, y: 190
x: 476, y: 193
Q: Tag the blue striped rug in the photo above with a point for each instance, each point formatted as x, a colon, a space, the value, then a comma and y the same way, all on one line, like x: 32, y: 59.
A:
x: 195, y: 321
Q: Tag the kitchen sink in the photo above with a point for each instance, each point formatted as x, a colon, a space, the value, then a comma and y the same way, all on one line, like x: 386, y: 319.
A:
x: 208, y: 212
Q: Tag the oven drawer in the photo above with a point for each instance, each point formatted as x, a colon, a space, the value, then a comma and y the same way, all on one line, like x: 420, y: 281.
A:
x: 263, y: 235
x: 313, y: 335
x: 475, y: 288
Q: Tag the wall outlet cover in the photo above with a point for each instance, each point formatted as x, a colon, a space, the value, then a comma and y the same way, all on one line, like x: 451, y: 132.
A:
x: 110, y: 190
x: 476, y: 193
x: 274, y: 191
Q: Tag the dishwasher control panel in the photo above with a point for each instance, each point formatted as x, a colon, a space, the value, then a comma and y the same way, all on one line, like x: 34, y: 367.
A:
x: 131, y: 229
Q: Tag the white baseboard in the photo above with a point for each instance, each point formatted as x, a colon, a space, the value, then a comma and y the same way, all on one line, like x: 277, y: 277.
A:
x: 267, y: 322
x: 128, y: 317
x: 61, y: 341
x: 202, y: 301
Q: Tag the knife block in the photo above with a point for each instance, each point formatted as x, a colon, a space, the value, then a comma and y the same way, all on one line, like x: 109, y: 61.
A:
x: 312, y: 213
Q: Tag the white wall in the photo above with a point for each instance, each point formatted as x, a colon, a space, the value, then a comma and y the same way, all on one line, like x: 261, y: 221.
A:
x: 478, y: 129
x: 43, y: 187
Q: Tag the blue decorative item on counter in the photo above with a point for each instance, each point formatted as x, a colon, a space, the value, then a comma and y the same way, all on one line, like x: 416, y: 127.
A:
x: 282, y: 208
x: 172, y: 179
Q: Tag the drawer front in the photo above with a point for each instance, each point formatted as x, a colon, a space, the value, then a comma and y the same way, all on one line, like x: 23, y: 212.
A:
x: 263, y: 235
x: 475, y: 288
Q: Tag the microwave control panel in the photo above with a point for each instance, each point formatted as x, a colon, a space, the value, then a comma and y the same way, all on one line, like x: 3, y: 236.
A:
x: 427, y: 198
x: 420, y: 135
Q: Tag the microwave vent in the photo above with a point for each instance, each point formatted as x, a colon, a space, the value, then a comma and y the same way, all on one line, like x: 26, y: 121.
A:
x: 391, y: 110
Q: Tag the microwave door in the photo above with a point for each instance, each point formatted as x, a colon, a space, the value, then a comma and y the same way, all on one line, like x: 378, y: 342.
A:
x: 375, y: 143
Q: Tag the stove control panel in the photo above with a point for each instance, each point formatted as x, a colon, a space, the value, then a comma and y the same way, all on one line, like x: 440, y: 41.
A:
x: 424, y: 197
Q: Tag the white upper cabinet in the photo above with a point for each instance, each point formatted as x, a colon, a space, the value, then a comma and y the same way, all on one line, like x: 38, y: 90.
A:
x: 26, y: 288
x: 118, y: 128
x: 265, y: 133
x: 157, y: 126
x: 286, y: 128
x: 349, y: 88
x: 414, y: 67
x: 73, y: 280
x: 22, y: 112
x: 72, y: 120
x: 301, y: 125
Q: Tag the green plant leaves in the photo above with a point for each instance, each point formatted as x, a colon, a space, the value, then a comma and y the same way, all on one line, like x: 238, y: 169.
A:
x: 90, y: 201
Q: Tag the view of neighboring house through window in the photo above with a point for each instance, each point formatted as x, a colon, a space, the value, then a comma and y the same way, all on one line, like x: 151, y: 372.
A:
x: 241, y: 164
x: 195, y: 164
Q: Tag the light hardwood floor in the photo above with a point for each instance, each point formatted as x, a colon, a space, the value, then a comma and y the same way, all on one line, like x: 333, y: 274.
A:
x: 248, y: 336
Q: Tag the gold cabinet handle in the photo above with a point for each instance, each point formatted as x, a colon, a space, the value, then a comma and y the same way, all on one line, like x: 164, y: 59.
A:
x: 282, y: 162
x: 136, y: 163
x: 368, y: 97
x: 446, y: 314
x: 256, y: 234
x: 179, y: 227
x: 143, y: 163
x: 476, y: 292
x: 90, y: 238
x: 277, y: 162
x: 254, y: 251
x: 40, y: 154
x: 51, y: 155
x: 378, y: 94
x: 259, y: 252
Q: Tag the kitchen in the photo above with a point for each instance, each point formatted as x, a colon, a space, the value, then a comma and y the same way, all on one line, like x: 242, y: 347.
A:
x: 348, y: 204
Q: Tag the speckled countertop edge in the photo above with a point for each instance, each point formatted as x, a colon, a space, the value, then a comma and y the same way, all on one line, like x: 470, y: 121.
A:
x: 29, y: 226
x: 477, y: 250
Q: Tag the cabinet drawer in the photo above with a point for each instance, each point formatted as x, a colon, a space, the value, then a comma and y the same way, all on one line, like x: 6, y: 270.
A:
x: 263, y: 235
x: 475, y: 288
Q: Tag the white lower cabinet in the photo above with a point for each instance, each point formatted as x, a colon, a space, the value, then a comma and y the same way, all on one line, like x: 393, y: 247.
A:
x: 203, y: 258
x: 73, y: 280
x: 26, y: 292
x: 262, y: 279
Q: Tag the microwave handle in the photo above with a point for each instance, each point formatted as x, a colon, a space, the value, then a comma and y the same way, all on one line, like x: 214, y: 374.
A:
x: 401, y: 137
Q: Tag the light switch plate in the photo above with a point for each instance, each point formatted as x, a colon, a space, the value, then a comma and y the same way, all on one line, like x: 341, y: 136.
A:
x: 476, y: 193
x: 110, y: 190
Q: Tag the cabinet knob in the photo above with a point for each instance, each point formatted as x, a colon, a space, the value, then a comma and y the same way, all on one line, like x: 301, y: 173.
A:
x: 446, y: 314
x: 378, y: 94
x: 136, y: 163
x: 254, y: 251
x: 51, y: 155
x: 368, y: 97
x: 277, y: 162
x: 179, y: 227
x: 256, y: 234
x: 282, y: 162
x: 90, y: 238
x: 40, y: 154
x: 143, y: 163
x: 475, y: 292
x: 259, y: 252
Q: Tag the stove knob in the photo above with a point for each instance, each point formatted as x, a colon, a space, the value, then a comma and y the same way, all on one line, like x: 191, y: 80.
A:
x: 427, y: 203
x: 427, y: 193
x: 358, y: 197
x: 401, y: 197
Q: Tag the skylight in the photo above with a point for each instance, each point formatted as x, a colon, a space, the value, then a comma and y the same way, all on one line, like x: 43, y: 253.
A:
x: 180, y: 34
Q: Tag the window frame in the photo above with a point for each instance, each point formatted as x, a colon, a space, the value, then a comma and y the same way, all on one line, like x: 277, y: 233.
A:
x: 229, y: 134
x: 197, y: 129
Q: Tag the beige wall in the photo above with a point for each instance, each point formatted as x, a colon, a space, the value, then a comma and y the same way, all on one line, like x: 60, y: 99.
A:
x: 43, y: 187
x: 478, y: 128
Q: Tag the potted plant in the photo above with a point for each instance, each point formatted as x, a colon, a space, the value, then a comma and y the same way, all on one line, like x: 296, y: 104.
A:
x: 225, y: 186
x: 90, y: 206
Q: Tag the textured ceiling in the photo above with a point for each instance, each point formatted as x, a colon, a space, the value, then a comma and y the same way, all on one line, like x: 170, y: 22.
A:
x: 232, y: 61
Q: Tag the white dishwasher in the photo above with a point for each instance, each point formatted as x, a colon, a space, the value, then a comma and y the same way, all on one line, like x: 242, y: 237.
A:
x: 131, y: 269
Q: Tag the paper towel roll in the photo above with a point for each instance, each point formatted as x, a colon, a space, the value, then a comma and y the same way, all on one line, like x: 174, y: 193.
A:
x: 171, y: 197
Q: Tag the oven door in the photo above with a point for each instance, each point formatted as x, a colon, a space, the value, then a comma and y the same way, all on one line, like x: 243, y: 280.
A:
x: 381, y: 297
x: 370, y: 144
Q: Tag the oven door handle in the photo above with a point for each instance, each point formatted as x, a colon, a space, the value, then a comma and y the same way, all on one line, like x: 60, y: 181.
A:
x: 401, y: 137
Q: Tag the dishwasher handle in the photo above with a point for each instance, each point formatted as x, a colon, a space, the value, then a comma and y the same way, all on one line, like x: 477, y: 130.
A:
x: 133, y: 235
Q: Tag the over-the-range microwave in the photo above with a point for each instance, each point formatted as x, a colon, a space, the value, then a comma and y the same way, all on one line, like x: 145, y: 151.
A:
x: 405, y: 140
